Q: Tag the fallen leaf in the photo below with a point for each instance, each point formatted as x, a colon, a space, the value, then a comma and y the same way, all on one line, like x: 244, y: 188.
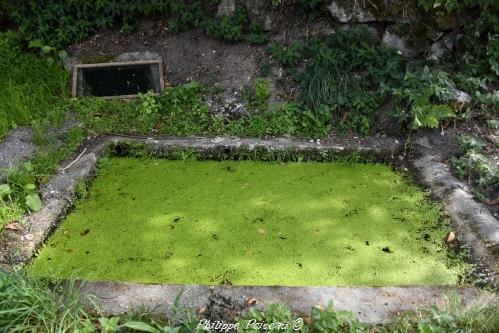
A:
x: 202, y: 310
x: 492, y: 202
x: 451, y: 236
x: 261, y: 232
x: 12, y: 226
x: 251, y: 302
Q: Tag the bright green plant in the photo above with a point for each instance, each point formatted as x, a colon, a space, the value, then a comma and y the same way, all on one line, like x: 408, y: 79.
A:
x: 257, y: 96
x: 30, y: 305
x: 148, y: 105
x: 30, y: 88
x: 183, y: 111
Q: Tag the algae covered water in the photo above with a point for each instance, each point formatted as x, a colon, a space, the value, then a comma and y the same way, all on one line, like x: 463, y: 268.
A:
x: 251, y: 223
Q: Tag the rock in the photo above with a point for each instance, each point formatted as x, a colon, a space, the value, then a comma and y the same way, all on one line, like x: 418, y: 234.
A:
x: 461, y: 97
x: 394, y: 41
x: 437, y: 49
x: 256, y: 9
x: 267, y: 25
x: 449, y: 41
x: 349, y: 11
x: 386, y: 123
x: 226, y: 7
x: 16, y: 148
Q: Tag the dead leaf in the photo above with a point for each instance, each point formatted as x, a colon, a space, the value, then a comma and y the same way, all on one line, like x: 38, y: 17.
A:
x: 12, y: 226
x: 492, y: 202
x: 202, y: 310
x: 251, y: 302
x: 451, y: 236
x: 261, y: 232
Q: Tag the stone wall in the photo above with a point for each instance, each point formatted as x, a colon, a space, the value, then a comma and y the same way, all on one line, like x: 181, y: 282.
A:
x: 400, y: 24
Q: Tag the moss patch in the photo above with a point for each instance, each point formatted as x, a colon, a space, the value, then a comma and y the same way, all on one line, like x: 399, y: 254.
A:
x: 250, y: 223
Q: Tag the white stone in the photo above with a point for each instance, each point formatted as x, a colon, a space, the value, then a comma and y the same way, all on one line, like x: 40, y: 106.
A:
x: 226, y: 7
x: 436, y: 51
x: 394, y: 41
x: 349, y: 13
x: 461, y: 97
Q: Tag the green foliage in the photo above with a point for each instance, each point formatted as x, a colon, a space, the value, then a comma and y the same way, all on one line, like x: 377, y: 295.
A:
x: 29, y: 304
x: 321, y: 320
x: 454, y: 316
x: 329, y: 320
x: 257, y: 96
x: 23, y: 181
x: 256, y: 34
x: 229, y: 28
x: 148, y: 105
x: 33, y: 202
x: 421, y: 98
x: 186, y: 15
x: 345, y: 74
x: 286, y: 55
x: 177, y: 111
x: 477, y: 50
x: 30, y: 89
x: 284, y: 119
x: 183, y: 111
x: 48, y: 52
x: 33, y: 305
x: 474, y: 165
x: 59, y: 22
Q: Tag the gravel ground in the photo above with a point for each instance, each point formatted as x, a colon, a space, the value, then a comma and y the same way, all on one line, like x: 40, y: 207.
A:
x: 17, y: 147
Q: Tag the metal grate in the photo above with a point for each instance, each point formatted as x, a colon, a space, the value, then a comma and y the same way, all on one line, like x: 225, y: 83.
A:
x: 118, y: 79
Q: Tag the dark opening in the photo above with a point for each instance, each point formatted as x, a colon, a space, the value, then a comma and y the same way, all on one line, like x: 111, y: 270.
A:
x: 119, y: 80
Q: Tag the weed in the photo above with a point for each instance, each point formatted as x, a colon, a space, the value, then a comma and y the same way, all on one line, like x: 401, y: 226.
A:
x: 33, y: 305
x: 256, y: 34
x: 30, y: 88
x: 474, y: 165
x: 257, y: 96
x: 286, y: 55
x: 183, y: 111
x: 452, y: 317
